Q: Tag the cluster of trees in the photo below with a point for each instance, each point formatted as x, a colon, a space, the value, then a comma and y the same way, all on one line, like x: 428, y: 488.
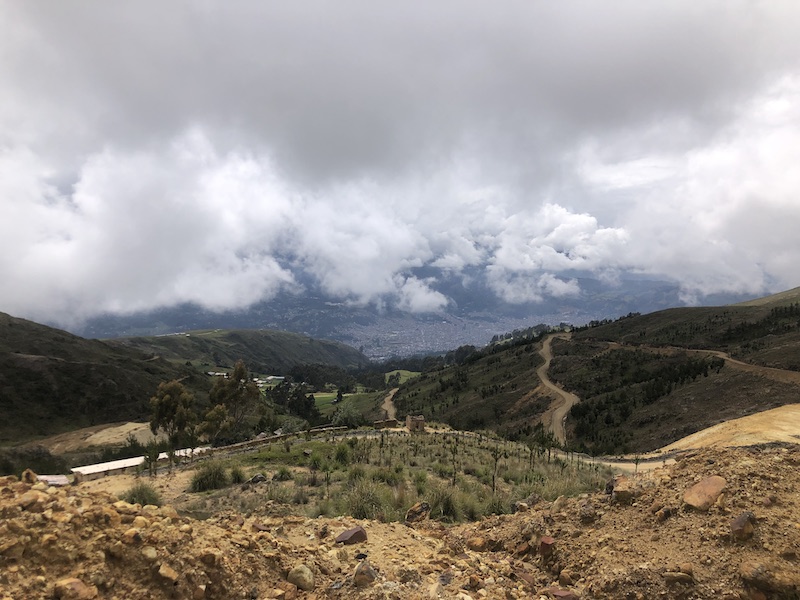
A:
x: 233, y: 398
x: 295, y: 398
x: 781, y: 319
x: 618, y: 383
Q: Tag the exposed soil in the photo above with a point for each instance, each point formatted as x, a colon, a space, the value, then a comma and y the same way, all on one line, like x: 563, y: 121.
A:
x: 78, y: 542
x: 113, y: 434
x: 556, y: 414
x: 388, y: 405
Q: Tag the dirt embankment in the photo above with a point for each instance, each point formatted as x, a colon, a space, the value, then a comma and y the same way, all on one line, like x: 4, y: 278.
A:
x: 656, y: 536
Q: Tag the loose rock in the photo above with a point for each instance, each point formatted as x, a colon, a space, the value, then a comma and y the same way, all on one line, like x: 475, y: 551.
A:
x: 352, y: 536
x: 704, y: 494
x: 302, y: 577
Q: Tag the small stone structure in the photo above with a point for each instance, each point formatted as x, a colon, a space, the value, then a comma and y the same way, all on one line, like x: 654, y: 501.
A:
x: 415, y: 423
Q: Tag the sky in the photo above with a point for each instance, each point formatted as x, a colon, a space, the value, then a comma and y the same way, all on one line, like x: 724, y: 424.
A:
x: 219, y: 153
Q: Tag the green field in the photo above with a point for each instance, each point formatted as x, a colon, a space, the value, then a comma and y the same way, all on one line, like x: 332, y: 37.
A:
x: 325, y: 404
x: 404, y: 375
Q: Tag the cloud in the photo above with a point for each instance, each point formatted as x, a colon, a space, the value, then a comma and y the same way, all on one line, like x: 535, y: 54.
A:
x: 218, y: 154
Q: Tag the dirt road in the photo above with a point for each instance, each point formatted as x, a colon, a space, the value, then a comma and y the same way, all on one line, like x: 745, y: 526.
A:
x: 388, y: 405
x: 777, y: 425
x: 560, y: 407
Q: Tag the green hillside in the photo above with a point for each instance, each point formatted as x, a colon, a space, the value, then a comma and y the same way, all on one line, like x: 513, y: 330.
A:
x: 644, y: 380
x: 264, y: 351
x: 764, y: 331
x: 647, y: 380
x: 492, y: 389
x: 52, y: 381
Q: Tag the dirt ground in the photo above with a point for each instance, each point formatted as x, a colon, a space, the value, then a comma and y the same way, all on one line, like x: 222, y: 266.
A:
x: 109, y: 434
x: 649, y: 542
x: 780, y: 424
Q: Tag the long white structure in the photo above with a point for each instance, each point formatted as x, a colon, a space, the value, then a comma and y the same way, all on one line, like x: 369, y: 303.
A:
x: 114, y: 467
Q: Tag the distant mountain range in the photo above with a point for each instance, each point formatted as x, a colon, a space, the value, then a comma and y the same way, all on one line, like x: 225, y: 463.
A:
x: 473, y: 317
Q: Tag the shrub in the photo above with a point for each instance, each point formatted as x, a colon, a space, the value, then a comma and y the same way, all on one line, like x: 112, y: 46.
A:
x: 210, y: 476
x: 496, y: 506
x: 283, y: 474
x: 237, y: 474
x: 300, y: 496
x: 142, y: 493
x: 443, y: 503
x: 387, y: 476
x: 364, y: 501
x: 470, y: 508
x: 315, y: 462
x: 421, y: 482
x: 279, y: 493
x: 342, y: 454
x: 356, y: 473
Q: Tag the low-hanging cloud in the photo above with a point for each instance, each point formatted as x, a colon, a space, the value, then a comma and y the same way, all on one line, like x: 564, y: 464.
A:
x: 153, y: 155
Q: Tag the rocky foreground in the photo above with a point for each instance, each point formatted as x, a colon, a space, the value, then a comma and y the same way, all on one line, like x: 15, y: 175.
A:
x: 722, y: 524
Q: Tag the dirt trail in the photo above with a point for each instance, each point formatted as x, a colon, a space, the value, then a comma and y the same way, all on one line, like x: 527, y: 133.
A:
x: 777, y: 425
x: 565, y: 400
x: 388, y: 404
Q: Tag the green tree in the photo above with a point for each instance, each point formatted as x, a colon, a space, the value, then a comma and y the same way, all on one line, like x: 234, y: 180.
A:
x: 215, y: 422
x: 171, y: 409
x: 237, y: 393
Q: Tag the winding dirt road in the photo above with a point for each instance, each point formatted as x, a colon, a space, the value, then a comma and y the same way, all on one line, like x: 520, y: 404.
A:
x: 565, y: 400
x: 777, y: 425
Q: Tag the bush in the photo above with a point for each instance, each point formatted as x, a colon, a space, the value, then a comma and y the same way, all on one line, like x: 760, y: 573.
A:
x: 342, y: 454
x: 356, y: 473
x: 348, y: 416
x: 421, y: 482
x: 364, y: 501
x: 300, y: 496
x: 443, y: 503
x: 210, y: 476
x: 391, y: 478
x: 142, y: 493
x: 315, y: 461
x: 237, y: 474
x: 496, y: 506
x: 283, y: 474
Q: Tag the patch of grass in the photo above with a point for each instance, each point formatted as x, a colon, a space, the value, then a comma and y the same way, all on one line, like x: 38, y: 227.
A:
x: 142, y: 493
x: 363, y: 501
x: 237, y: 475
x: 211, y: 475
x: 283, y: 474
x: 401, y: 375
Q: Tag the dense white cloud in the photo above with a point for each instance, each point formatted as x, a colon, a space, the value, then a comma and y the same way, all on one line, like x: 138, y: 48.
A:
x: 154, y: 154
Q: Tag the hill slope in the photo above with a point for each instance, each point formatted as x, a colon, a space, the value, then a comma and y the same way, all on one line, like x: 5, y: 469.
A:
x: 52, y: 381
x: 647, y: 380
x: 264, y: 351
x: 644, y: 380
